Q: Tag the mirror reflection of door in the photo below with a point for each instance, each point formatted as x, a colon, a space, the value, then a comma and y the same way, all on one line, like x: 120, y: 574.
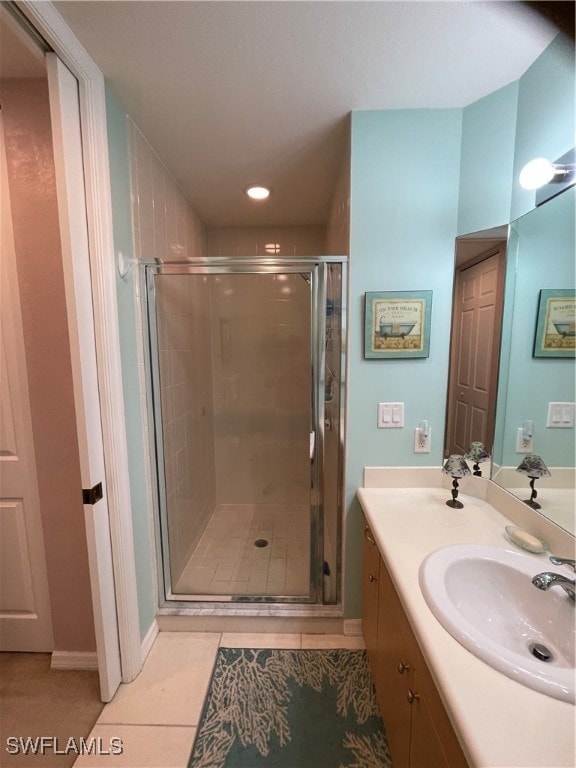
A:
x: 476, y: 325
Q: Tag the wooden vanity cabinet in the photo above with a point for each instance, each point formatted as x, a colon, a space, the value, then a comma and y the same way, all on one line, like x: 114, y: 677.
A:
x: 419, y: 731
x: 370, y: 578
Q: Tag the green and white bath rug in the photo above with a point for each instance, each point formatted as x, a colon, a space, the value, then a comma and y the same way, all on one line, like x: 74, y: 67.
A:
x: 291, y: 709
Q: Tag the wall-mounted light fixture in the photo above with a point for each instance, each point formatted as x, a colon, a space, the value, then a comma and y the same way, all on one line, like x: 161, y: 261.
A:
x: 549, y: 178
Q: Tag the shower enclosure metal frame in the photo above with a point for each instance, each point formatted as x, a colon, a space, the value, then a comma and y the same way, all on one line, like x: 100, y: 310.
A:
x: 317, y: 269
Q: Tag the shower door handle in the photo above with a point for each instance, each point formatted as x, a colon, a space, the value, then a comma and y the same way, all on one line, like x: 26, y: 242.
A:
x: 312, y: 445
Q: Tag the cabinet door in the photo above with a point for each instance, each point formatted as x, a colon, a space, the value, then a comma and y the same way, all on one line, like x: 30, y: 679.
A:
x: 394, y: 673
x: 370, y: 581
x: 419, y: 731
x: 433, y: 743
x: 425, y: 747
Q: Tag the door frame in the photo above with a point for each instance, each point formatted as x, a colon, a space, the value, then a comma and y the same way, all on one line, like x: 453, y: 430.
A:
x: 50, y: 25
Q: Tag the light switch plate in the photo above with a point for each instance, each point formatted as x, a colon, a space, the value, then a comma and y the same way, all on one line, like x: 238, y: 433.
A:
x: 560, y: 415
x: 390, y: 415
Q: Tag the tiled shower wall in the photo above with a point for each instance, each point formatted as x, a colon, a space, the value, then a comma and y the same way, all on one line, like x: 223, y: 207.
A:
x: 266, y: 241
x: 261, y: 370
x: 183, y: 304
x: 165, y: 226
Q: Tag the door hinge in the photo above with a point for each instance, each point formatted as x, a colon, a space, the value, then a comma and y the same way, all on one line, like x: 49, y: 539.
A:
x: 92, y: 495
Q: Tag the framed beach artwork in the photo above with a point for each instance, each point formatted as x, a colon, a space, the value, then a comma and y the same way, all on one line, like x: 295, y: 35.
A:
x: 397, y: 324
x: 556, y: 323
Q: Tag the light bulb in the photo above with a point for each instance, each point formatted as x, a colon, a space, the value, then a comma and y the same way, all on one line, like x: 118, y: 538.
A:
x: 257, y: 193
x: 537, y: 173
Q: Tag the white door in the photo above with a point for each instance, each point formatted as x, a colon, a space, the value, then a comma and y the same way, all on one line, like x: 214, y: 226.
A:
x: 25, y: 618
x: 67, y: 139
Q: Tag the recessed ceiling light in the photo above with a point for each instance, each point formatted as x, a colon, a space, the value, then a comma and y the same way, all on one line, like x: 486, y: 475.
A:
x: 257, y: 193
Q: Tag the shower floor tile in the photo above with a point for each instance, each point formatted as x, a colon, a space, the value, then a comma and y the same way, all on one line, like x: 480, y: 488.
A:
x: 226, y: 560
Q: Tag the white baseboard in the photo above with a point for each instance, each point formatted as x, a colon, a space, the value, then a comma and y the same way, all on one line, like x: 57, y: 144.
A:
x: 148, y: 640
x: 353, y: 627
x: 87, y: 660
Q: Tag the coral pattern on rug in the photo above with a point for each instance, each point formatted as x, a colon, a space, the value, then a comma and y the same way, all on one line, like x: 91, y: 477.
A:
x: 291, y: 709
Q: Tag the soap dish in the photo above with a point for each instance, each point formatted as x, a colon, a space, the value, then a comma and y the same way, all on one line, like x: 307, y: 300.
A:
x: 525, y: 540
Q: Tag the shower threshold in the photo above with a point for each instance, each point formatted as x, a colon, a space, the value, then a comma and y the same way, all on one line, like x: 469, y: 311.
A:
x: 281, y: 620
x: 251, y: 610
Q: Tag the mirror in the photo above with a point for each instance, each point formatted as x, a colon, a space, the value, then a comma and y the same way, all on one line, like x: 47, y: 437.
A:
x: 540, y: 255
x: 475, y: 340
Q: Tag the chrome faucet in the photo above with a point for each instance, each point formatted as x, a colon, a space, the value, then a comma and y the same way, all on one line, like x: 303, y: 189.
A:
x: 563, y: 561
x: 550, y: 579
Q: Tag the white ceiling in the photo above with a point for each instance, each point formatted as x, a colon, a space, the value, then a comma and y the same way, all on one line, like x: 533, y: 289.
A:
x: 231, y: 93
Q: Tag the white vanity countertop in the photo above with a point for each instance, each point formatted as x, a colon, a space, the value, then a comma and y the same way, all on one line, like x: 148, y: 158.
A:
x: 501, y: 723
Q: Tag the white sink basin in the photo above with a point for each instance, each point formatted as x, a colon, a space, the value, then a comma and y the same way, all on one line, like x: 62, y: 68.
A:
x: 484, y: 597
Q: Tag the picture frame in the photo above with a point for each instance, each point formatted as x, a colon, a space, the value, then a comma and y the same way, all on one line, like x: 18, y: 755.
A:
x: 556, y: 323
x: 397, y: 324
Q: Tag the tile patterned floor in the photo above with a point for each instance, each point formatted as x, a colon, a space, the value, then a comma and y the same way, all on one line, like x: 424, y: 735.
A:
x: 157, y: 715
x: 226, y: 560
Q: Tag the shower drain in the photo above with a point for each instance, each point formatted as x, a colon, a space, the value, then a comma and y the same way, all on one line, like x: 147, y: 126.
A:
x: 261, y: 543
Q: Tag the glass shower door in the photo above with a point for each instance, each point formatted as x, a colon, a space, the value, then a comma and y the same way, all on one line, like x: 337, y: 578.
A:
x: 235, y: 403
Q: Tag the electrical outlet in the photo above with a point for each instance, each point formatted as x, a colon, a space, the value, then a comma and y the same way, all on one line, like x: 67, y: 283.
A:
x: 421, y: 441
x: 523, y: 444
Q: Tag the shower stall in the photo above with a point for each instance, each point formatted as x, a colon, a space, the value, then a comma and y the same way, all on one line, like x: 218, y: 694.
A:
x: 246, y: 381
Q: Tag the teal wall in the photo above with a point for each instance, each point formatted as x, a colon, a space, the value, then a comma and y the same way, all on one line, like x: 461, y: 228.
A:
x: 545, y: 259
x: 119, y: 154
x: 532, y: 117
x: 545, y: 124
x: 486, y: 166
x: 405, y: 172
